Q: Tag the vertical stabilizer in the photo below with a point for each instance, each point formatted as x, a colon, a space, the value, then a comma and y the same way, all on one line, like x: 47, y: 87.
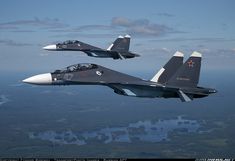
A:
x: 121, y: 44
x: 169, y: 69
x: 188, y: 74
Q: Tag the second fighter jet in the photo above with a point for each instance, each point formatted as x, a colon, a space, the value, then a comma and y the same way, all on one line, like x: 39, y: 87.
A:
x: 118, y: 50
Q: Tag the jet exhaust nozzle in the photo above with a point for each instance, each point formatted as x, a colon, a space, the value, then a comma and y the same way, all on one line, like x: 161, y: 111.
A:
x: 213, y: 91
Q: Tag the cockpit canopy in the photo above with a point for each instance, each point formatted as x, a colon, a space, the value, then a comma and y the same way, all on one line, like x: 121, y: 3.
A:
x: 69, y: 42
x: 77, y: 67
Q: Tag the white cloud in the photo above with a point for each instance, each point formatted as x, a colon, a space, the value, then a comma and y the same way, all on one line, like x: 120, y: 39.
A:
x: 3, y: 99
x: 141, y: 27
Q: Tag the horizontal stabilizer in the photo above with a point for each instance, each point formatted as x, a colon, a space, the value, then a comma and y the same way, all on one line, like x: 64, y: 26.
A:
x: 184, y: 97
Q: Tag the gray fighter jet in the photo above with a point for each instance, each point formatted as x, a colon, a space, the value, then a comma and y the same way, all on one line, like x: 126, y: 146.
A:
x: 175, y: 80
x: 118, y: 50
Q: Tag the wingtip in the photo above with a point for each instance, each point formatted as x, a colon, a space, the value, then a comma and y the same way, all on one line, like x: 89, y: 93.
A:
x: 196, y: 54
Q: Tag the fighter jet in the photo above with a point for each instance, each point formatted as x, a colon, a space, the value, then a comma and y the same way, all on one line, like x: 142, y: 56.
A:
x: 118, y: 50
x: 175, y: 80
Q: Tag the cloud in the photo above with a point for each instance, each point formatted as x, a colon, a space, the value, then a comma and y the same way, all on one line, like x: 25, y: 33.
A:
x: 46, y: 23
x: 226, y: 51
x: 164, y: 14
x: 215, y: 53
x: 141, y: 130
x: 141, y: 27
x: 119, y: 25
x: 7, y: 27
x: 85, y: 35
x: 166, y: 49
x: 153, y: 51
x: 23, y: 31
x: 204, y: 50
x: 203, y: 39
x: 3, y: 99
x: 121, y: 21
x: 92, y: 27
x: 13, y: 43
x: 65, y: 92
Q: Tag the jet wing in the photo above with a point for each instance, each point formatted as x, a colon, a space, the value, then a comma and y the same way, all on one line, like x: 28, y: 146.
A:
x: 103, y: 53
x: 138, y: 89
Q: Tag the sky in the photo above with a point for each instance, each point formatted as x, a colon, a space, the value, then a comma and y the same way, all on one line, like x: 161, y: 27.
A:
x: 158, y: 29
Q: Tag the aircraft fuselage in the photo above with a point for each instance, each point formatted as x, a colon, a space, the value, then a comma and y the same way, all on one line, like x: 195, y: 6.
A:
x: 123, y: 84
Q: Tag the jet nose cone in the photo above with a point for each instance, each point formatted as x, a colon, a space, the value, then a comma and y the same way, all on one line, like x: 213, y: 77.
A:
x: 50, y: 47
x: 41, y: 79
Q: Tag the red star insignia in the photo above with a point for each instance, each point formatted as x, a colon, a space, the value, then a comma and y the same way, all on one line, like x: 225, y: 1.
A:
x: 190, y: 63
